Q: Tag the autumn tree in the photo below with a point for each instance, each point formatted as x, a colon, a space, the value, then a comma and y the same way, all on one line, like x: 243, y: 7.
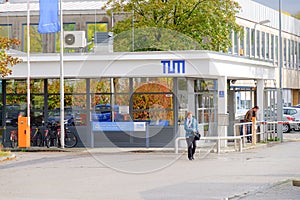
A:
x: 7, y: 61
x: 297, y: 16
x: 173, y: 24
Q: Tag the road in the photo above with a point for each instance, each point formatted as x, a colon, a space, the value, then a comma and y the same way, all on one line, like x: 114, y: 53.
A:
x: 133, y: 175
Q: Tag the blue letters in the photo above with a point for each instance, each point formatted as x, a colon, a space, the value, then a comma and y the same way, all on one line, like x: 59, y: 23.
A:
x: 173, y: 67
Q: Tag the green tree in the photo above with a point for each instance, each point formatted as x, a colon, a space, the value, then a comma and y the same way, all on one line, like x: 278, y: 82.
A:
x: 7, y: 61
x: 206, y: 22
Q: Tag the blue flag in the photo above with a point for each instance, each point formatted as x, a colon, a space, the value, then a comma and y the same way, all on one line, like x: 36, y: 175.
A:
x: 48, y: 16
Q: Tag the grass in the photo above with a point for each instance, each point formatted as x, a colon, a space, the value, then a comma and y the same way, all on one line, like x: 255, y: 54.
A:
x: 4, y: 153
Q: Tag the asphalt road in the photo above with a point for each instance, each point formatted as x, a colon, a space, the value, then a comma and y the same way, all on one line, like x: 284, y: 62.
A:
x: 260, y: 173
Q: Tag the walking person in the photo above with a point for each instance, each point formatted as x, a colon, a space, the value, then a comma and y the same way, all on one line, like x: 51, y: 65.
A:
x: 190, y: 126
x: 248, y: 118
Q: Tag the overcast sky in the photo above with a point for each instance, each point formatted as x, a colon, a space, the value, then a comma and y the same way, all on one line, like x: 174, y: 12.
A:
x: 291, y: 6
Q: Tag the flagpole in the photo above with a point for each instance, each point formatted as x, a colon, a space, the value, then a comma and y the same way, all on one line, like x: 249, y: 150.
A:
x: 62, y: 106
x: 28, y: 62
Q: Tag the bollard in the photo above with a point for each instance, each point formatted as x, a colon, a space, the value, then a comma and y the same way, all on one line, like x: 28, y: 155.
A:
x: 253, y: 130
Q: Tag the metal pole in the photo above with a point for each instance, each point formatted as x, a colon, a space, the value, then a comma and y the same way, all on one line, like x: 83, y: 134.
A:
x: 62, y: 110
x: 279, y: 92
x: 28, y: 62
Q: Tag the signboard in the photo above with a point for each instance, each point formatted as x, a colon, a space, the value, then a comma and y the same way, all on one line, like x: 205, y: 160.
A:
x: 221, y: 94
x: 118, y: 126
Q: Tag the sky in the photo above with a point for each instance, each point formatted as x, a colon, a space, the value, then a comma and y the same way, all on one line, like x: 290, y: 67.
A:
x: 291, y: 6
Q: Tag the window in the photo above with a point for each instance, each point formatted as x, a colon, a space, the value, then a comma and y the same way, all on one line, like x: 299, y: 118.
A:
x: 258, y: 44
x: 92, y: 28
x: 242, y: 47
x: 6, y: 31
x: 272, y: 47
x: 284, y: 52
x: 276, y: 48
x: 267, y: 46
x: 36, y: 42
x: 252, y: 42
x: 263, y: 46
x: 232, y: 42
x: 248, y: 40
x: 236, y: 43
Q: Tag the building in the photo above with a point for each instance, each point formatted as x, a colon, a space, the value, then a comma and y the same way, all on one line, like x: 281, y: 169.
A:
x: 213, y: 85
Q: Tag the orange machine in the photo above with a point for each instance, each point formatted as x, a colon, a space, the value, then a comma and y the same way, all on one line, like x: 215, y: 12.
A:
x: 23, y: 132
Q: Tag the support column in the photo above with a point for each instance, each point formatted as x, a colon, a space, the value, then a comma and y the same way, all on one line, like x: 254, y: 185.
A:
x: 260, y: 98
x: 222, y: 106
x: 191, y: 96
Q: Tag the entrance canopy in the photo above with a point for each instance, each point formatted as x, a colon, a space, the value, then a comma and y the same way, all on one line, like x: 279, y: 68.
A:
x: 145, y: 64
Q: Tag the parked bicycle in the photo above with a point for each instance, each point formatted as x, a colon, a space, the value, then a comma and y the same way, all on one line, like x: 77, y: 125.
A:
x: 53, y: 136
x: 36, y: 137
x: 13, y: 137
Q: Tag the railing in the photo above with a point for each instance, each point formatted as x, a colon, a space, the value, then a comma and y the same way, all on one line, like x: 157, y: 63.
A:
x: 266, y: 131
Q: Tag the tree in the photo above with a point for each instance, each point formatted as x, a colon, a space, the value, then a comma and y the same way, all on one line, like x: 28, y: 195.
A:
x: 297, y: 16
x: 208, y: 23
x: 7, y: 61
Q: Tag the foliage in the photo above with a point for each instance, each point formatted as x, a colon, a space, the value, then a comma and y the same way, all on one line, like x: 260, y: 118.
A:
x: 206, y: 22
x: 297, y: 16
x: 148, y: 103
x: 7, y: 61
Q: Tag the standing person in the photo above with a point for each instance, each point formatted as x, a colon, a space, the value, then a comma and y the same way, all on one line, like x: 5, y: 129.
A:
x: 248, y: 118
x: 190, y: 126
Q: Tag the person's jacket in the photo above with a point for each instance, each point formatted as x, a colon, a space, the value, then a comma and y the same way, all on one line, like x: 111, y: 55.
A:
x: 248, y: 116
x: 190, y: 128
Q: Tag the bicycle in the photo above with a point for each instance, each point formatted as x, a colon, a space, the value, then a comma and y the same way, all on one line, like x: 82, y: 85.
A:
x: 53, y: 136
x: 13, y: 137
x: 36, y: 138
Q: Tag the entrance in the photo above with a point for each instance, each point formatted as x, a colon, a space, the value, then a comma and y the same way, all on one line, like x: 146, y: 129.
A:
x: 206, y: 106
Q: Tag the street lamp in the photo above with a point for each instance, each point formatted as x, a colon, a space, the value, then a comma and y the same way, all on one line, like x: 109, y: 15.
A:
x: 279, y: 91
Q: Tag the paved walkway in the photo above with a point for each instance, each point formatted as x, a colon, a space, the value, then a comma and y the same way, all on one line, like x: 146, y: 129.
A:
x: 264, y: 172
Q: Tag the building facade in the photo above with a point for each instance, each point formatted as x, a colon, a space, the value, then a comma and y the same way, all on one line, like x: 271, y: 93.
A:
x: 154, y: 87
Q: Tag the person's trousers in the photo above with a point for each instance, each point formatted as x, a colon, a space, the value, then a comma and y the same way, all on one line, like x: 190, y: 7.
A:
x: 249, y: 131
x: 191, y: 143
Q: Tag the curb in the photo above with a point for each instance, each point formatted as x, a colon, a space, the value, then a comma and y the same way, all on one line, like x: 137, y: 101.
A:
x: 5, y: 158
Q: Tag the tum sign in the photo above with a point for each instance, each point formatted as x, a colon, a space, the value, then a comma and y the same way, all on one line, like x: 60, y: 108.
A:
x: 173, y: 67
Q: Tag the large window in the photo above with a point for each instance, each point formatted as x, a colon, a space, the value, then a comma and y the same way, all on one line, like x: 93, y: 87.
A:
x: 152, y: 100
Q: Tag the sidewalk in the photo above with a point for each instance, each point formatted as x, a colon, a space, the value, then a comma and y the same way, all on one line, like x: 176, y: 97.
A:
x: 280, y: 190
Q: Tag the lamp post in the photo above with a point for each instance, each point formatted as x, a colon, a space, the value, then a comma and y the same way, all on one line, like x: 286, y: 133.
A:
x: 279, y: 91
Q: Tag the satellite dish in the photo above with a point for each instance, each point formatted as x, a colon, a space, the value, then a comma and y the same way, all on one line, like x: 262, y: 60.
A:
x: 70, y: 39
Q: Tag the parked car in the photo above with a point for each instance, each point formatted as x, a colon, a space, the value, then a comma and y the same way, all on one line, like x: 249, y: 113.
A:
x: 70, y: 117
x: 286, y: 128
x: 293, y: 111
x: 102, y: 113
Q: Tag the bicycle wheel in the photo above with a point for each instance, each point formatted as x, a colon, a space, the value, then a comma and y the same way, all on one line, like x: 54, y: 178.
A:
x: 70, y: 139
x: 39, y: 139
x: 47, y: 141
x: 14, y: 143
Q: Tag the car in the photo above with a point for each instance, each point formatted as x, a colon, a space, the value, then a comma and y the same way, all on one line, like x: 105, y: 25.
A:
x: 293, y: 111
x: 102, y: 113
x: 286, y: 127
x: 70, y: 117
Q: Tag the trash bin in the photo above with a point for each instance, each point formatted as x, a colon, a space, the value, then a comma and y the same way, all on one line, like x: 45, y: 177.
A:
x: 23, y: 132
